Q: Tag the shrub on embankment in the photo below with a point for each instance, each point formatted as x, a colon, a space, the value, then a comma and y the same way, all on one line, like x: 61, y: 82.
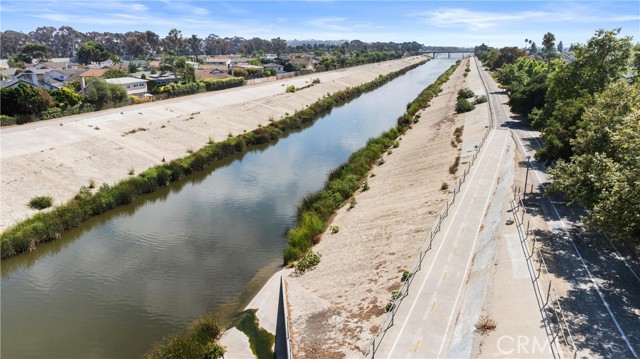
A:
x: 316, y: 208
x: 199, y: 341
x: 49, y: 225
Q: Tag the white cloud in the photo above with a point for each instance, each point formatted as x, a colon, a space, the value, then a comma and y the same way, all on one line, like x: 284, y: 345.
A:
x: 473, y: 19
x: 477, y: 20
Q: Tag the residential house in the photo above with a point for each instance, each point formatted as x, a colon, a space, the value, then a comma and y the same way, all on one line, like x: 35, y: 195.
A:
x: 218, y: 61
x: 94, y: 73
x: 154, y: 65
x: 212, y: 72
x: 160, y: 78
x: 60, y: 78
x: 247, y: 66
x: 303, y: 62
x: 279, y: 69
x: 134, y: 86
x: 56, y: 65
x: 236, y: 61
x: 33, y: 78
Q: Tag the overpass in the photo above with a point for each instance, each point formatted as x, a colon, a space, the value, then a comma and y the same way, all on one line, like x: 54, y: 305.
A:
x: 434, y: 53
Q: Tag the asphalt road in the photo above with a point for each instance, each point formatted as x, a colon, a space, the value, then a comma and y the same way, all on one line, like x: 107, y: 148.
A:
x: 602, y: 303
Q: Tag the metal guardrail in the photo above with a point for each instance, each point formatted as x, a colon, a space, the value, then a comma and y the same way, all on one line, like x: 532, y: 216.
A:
x: 427, y: 245
x: 555, y: 321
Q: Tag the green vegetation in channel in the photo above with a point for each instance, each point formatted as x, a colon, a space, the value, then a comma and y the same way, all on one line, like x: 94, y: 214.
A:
x: 46, y: 226
x: 199, y: 341
x: 40, y: 202
x: 316, y: 208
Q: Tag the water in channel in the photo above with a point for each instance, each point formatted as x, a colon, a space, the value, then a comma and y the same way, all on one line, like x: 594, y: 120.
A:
x: 124, y: 280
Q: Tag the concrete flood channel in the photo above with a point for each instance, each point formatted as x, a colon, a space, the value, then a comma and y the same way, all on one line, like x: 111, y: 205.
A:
x: 124, y: 280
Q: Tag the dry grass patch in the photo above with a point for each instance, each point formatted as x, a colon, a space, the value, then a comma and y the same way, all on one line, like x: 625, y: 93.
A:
x: 485, y: 325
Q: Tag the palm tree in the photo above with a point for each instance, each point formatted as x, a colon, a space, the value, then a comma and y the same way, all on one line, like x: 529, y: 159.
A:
x: 548, y: 43
x: 116, y: 60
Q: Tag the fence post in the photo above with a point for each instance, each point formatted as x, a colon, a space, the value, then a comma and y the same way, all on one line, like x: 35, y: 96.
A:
x: 533, y: 247
x: 373, y: 348
x: 539, y: 269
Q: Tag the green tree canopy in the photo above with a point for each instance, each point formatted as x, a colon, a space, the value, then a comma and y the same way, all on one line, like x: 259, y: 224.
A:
x: 24, y: 100
x: 102, y: 94
x: 31, y: 51
x: 604, y: 172
x: 65, y: 97
x: 601, y: 61
x: 92, y: 51
x: 115, y: 73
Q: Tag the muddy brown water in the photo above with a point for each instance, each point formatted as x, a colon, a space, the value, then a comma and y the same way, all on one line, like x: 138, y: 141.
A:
x: 124, y: 280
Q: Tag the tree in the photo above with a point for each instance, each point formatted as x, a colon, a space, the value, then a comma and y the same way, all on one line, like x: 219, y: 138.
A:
x: 185, y: 70
x: 279, y: 46
x: 168, y: 64
x: 115, y: 60
x: 31, y: 51
x: 92, y: 51
x: 195, y: 44
x: 102, y: 94
x: 534, y: 48
x: 24, y: 100
x: 572, y: 86
x: 65, y: 97
x: 508, y: 55
x: 635, y: 62
x: 115, y: 73
x: 560, y: 47
x: 173, y: 40
x: 603, y: 173
x: 133, y: 68
x: 11, y: 42
x: 548, y: 43
x: 135, y: 44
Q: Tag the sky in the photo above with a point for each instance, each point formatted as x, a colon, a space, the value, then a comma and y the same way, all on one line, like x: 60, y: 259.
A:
x: 437, y: 23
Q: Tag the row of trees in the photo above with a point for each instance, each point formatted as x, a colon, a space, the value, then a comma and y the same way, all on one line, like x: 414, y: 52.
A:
x: 357, y: 46
x: 66, y: 42
x: 589, y: 113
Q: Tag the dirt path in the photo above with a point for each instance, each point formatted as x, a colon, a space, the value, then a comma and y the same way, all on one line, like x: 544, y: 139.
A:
x: 337, y: 308
x: 57, y: 157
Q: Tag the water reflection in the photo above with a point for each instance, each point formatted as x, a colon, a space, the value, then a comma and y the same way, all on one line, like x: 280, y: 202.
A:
x: 126, y: 279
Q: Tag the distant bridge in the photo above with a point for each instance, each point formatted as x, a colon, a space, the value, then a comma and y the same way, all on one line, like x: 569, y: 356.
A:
x: 433, y: 53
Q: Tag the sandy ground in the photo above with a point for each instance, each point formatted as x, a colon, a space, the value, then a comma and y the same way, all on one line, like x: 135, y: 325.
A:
x: 337, y: 309
x: 57, y: 157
